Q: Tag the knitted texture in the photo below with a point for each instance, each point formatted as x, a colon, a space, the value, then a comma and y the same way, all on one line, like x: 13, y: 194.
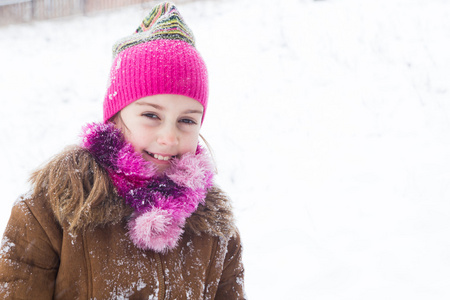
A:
x: 161, y: 202
x: 160, y: 58
x: 163, y: 22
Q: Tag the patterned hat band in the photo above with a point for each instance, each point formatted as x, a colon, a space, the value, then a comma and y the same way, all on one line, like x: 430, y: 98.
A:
x: 160, y: 58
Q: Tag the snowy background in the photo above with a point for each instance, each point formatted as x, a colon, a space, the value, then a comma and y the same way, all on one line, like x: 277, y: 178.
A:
x: 329, y: 120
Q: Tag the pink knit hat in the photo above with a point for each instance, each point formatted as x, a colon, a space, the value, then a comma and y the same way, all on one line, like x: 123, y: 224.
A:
x: 160, y: 58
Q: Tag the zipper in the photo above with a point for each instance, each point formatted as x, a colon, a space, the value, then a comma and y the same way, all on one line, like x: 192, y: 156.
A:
x: 162, y: 285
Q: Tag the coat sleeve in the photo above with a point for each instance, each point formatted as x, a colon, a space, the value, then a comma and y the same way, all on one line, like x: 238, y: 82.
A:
x: 231, y: 285
x: 28, y: 259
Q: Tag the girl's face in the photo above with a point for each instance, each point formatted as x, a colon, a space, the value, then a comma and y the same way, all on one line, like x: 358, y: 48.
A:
x: 162, y: 127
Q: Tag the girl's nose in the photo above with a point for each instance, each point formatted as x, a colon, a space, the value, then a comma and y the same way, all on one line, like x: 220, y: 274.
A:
x: 168, y: 136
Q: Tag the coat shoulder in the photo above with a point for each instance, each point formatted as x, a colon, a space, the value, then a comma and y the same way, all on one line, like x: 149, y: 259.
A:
x: 214, y: 216
x: 78, y: 190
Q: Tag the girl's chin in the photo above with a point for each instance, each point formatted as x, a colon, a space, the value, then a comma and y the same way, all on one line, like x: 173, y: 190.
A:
x: 161, y: 168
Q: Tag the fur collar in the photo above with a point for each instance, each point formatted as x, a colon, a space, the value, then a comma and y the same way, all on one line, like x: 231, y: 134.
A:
x: 82, y: 196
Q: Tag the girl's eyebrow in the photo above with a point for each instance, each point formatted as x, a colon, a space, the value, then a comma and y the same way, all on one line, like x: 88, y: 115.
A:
x: 193, y: 111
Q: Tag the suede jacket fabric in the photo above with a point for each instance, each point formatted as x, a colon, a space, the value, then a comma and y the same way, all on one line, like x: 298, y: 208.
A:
x: 40, y: 258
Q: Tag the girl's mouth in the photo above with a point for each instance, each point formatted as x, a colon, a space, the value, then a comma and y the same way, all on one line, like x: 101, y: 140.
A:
x: 160, y: 157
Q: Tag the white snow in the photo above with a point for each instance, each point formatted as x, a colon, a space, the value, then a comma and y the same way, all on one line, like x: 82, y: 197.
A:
x: 330, y: 123
x: 6, y: 246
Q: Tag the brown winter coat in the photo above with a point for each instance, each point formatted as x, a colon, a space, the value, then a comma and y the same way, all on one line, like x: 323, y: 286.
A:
x: 43, y: 257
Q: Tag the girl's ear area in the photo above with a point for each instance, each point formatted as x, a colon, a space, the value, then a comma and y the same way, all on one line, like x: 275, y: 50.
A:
x: 115, y: 119
x: 118, y: 122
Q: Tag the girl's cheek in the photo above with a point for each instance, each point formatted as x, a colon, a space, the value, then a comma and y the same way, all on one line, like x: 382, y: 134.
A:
x: 133, y: 141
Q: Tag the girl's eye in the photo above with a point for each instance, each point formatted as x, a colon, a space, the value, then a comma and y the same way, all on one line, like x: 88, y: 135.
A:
x: 188, y: 121
x: 151, y: 116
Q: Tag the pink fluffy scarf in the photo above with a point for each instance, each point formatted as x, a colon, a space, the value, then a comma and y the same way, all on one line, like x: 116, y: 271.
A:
x: 162, y: 202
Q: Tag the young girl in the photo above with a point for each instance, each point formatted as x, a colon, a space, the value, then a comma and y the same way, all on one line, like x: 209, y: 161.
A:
x: 131, y: 213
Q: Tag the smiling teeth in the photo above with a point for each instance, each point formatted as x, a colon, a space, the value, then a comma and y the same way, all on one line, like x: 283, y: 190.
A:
x: 160, y: 157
